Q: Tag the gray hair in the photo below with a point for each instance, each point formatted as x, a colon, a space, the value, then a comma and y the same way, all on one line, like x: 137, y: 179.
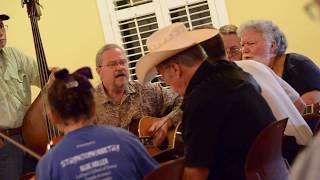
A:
x: 228, y: 29
x: 270, y: 31
x: 104, y: 49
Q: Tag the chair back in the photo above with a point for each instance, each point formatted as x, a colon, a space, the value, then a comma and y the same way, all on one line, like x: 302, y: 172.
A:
x: 264, y: 160
x: 172, y: 170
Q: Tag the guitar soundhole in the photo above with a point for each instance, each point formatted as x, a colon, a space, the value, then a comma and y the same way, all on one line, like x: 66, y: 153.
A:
x: 164, y: 145
x: 147, y: 141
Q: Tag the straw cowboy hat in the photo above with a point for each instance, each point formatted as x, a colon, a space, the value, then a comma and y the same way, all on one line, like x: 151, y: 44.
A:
x: 166, y: 43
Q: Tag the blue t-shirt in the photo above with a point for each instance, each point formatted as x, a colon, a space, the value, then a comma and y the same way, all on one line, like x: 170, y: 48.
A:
x: 94, y: 152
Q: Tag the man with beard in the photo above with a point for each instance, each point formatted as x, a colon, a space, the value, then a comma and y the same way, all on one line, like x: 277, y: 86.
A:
x: 264, y: 41
x: 120, y: 101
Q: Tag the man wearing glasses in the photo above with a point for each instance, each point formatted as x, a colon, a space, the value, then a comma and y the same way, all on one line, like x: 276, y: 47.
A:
x: 121, y: 102
x: 18, y: 73
x: 231, y: 42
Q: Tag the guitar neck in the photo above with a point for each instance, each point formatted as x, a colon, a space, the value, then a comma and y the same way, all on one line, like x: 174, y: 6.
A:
x: 312, y: 109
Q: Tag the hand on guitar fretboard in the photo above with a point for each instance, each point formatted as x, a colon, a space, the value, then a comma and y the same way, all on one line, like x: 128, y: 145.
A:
x: 173, y: 140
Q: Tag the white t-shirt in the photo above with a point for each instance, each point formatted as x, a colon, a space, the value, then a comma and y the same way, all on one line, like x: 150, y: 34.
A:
x: 277, y: 93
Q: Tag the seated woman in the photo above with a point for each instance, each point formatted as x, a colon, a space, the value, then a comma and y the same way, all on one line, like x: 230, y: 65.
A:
x: 88, y: 151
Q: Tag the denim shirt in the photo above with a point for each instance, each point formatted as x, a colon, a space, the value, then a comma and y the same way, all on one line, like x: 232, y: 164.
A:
x: 18, y: 73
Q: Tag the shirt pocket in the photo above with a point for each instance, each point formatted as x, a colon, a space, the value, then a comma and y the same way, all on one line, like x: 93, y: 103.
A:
x: 19, y: 87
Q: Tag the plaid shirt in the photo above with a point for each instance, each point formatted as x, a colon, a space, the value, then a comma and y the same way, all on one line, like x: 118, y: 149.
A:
x: 137, y: 102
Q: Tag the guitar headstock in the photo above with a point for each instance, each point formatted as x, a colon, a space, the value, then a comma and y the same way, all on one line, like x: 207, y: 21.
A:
x: 33, y: 8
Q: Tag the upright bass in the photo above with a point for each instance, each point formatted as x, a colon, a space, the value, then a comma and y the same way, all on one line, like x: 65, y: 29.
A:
x: 37, y: 130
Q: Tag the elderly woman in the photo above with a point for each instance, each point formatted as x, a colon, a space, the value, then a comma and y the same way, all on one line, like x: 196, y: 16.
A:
x: 263, y: 41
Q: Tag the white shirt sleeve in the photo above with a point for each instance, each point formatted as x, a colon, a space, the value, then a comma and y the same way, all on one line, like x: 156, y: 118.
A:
x: 293, y: 94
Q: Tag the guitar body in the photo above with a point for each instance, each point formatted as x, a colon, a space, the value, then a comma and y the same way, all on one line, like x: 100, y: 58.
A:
x: 172, y: 148
x: 172, y: 170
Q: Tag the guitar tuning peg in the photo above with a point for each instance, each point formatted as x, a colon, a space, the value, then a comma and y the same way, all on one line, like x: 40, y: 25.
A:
x: 22, y: 3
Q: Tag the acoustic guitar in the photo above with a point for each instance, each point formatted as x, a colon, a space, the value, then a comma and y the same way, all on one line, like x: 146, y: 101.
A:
x: 171, y: 148
x: 172, y: 170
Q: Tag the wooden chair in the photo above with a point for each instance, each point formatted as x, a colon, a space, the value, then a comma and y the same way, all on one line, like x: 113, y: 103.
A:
x: 170, y: 170
x: 264, y: 160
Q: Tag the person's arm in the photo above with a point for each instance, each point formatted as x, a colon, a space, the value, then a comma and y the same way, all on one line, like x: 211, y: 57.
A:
x: 195, y: 173
x: 293, y: 94
x: 311, y: 97
x: 304, y: 77
x: 162, y: 126
x: 201, y: 135
x: 29, y: 66
x: 169, y: 102
x: 300, y: 105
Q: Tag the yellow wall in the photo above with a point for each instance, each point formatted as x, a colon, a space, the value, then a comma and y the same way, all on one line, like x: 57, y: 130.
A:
x: 71, y: 30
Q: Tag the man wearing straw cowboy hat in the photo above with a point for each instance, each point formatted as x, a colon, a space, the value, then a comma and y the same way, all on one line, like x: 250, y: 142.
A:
x: 223, y: 110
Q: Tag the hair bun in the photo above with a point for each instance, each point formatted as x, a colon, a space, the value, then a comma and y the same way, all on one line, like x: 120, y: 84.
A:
x: 62, y: 74
x: 84, y: 71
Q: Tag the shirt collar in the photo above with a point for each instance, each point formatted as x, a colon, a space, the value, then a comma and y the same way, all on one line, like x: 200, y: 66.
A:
x: 203, y: 72
x: 105, y: 98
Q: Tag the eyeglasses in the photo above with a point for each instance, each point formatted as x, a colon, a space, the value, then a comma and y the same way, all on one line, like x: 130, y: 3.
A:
x: 234, y: 51
x: 160, y: 79
x: 2, y: 26
x: 114, y: 64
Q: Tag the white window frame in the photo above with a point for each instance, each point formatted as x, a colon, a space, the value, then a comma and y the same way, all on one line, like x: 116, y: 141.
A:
x: 218, y: 12
x: 109, y: 16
